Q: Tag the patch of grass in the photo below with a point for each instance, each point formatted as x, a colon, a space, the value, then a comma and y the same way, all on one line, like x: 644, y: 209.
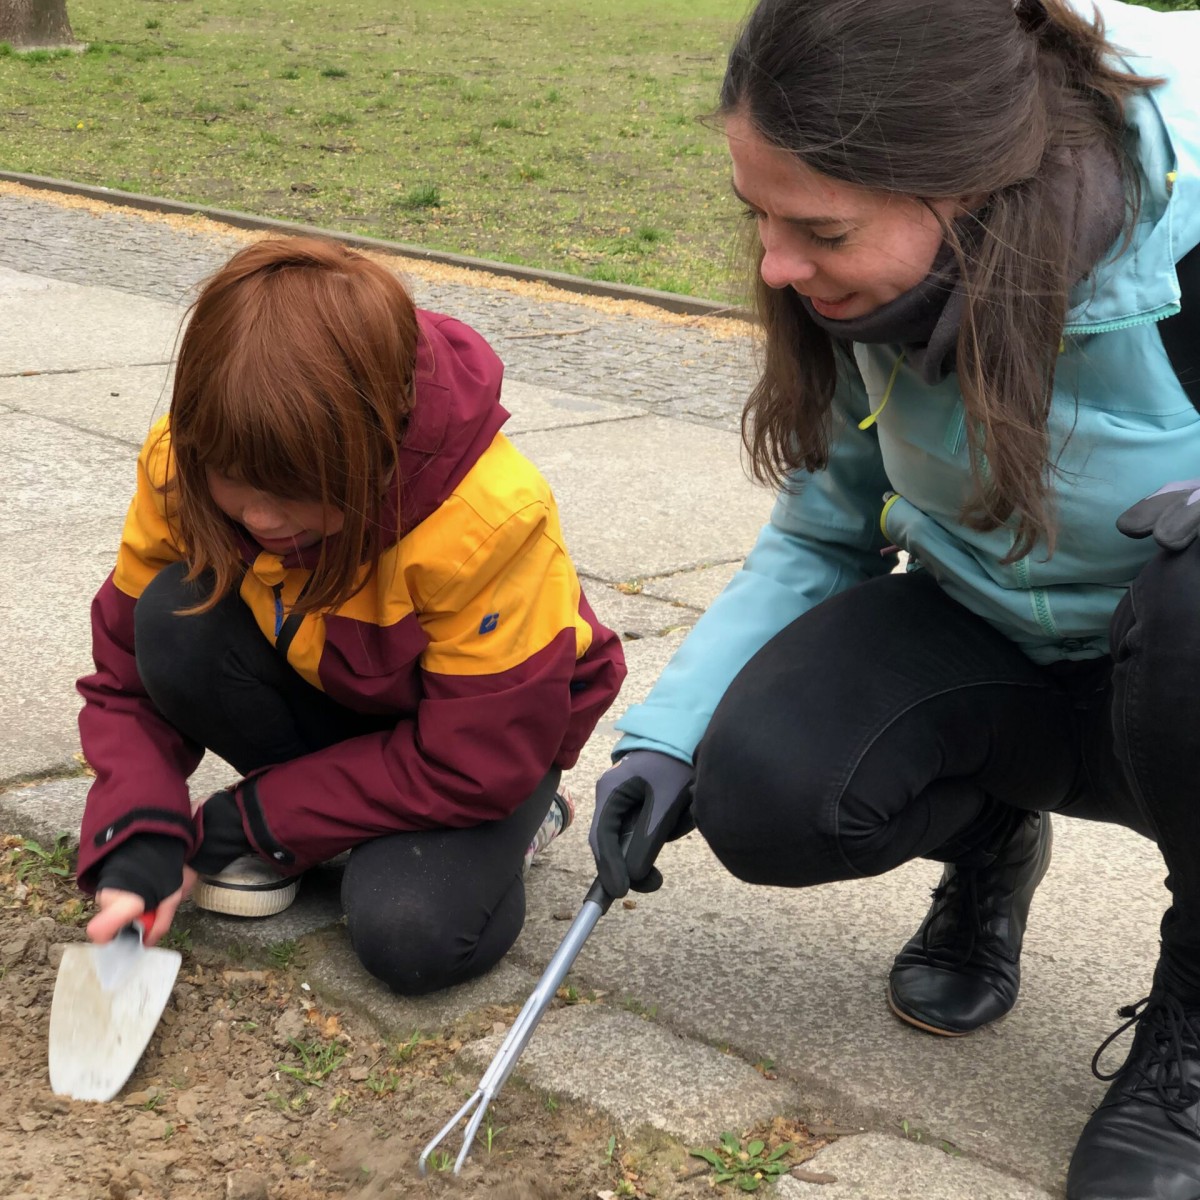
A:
x: 491, y: 1132
x: 748, y: 1166
x: 639, y: 1009
x: 425, y: 195
x: 568, y: 184
x: 404, y: 1051
x: 283, y: 954
x: 383, y: 1085
x: 177, y: 938
x: 318, y: 1060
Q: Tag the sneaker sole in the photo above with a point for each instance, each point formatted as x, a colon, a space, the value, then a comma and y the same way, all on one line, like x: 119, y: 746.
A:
x: 247, y: 901
x: 909, y: 1019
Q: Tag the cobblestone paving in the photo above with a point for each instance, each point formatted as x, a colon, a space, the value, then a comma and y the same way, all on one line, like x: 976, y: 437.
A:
x: 672, y: 370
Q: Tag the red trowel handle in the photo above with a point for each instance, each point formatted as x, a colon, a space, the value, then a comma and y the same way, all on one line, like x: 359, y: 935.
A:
x: 146, y: 920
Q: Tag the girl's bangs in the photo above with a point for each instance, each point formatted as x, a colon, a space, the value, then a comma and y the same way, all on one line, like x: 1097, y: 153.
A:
x: 225, y: 430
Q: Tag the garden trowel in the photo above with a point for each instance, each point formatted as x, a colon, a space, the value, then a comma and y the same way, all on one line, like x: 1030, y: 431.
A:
x: 107, y: 1002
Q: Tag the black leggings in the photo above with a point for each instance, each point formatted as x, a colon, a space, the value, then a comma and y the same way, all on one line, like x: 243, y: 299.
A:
x: 424, y: 910
x: 890, y: 723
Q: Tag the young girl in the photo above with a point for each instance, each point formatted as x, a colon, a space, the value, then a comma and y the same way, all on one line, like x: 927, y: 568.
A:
x: 340, y: 576
x: 973, y: 223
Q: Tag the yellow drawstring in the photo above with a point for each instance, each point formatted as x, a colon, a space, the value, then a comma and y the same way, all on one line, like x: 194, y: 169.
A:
x: 867, y: 422
x: 887, y: 508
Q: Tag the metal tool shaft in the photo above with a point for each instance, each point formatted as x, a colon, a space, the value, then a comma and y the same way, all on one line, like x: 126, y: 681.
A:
x: 594, y: 907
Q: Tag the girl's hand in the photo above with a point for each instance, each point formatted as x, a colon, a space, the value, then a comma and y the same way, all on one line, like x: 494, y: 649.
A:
x: 118, y: 909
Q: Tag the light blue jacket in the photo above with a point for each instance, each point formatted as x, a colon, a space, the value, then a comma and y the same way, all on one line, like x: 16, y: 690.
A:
x: 1120, y: 427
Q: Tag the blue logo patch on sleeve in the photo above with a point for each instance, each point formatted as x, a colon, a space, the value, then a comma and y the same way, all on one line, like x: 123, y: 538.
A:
x: 489, y: 622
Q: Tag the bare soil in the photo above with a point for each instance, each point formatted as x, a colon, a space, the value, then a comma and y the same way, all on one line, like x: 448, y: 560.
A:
x: 250, y: 1090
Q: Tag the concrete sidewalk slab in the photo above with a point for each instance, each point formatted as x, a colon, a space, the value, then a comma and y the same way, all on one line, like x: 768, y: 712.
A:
x: 46, y: 325
x: 535, y: 409
x: 641, y: 1073
x: 59, y: 530
x: 111, y: 402
x: 872, y: 1166
x: 339, y: 978
x: 649, y: 497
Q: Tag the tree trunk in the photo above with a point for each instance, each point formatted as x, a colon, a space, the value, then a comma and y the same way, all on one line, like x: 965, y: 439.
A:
x: 29, y: 24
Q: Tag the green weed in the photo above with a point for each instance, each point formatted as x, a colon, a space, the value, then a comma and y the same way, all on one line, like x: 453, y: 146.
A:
x: 318, y: 1060
x: 425, y: 195
x: 404, y: 1051
x: 748, y: 1166
x: 177, y: 938
x: 32, y: 862
x: 283, y: 954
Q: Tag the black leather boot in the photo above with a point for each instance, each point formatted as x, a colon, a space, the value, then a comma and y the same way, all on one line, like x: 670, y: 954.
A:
x: 962, y: 968
x: 1143, y: 1142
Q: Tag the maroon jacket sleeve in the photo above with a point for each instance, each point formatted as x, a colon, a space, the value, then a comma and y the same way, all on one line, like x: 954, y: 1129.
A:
x: 141, y: 761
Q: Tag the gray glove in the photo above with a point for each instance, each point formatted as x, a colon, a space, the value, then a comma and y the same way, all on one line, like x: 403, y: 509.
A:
x: 641, y: 803
x: 1172, y: 515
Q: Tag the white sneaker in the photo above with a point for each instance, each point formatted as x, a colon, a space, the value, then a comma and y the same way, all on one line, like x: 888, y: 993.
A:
x: 560, y: 816
x: 248, y: 887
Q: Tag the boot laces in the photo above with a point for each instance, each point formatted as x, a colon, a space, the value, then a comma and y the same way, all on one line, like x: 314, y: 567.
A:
x: 1171, y: 1037
x: 957, y: 917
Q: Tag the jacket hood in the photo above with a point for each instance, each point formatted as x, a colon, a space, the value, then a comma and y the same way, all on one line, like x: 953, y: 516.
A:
x: 1139, y: 282
x: 456, y: 415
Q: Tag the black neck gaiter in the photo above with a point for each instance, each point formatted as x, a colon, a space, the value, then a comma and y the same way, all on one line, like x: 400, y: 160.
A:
x: 925, y: 320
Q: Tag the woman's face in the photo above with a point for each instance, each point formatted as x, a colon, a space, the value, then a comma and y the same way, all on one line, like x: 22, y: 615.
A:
x: 277, y: 525
x: 847, y: 248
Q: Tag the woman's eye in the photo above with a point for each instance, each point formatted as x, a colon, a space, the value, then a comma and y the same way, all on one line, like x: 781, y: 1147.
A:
x: 751, y: 214
x: 831, y: 243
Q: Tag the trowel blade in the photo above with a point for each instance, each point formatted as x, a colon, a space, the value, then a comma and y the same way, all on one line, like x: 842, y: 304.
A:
x: 107, y: 1003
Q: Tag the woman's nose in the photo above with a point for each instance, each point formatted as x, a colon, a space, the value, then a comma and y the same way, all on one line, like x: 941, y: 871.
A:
x: 784, y: 261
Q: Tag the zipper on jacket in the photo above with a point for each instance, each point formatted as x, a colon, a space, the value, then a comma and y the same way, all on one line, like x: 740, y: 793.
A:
x: 278, y: 590
x: 1038, y: 600
x: 954, y: 431
x: 1172, y: 310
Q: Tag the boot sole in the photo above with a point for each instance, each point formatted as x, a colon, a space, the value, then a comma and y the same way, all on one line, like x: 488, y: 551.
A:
x: 909, y: 1019
x: 230, y: 900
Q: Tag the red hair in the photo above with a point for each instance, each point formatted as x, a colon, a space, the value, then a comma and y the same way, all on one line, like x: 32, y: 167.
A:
x: 295, y: 374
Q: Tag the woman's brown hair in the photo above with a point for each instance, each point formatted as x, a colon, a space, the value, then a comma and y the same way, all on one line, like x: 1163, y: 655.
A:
x: 934, y: 99
x: 295, y: 375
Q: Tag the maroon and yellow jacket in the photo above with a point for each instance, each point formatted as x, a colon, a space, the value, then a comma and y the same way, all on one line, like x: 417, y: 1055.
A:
x: 473, y: 631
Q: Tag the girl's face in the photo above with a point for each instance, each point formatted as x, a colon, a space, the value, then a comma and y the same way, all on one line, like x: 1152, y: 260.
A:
x: 277, y: 525
x: 849, y: 249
